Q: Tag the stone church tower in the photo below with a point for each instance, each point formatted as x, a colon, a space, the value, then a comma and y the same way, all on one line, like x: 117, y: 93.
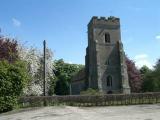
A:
x: 105, y: 67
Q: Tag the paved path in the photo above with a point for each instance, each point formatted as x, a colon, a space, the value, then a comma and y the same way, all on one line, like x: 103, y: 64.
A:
x: 136, y: 112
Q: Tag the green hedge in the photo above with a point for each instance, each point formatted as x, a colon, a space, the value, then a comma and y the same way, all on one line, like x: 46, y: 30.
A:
x: 7, y: 103
x: 13, y: 78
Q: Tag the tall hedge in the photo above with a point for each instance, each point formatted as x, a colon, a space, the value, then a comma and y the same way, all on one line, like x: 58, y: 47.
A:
x: 13, y: 78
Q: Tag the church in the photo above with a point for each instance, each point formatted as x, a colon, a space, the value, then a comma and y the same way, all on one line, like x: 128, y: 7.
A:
x: 105, y: 66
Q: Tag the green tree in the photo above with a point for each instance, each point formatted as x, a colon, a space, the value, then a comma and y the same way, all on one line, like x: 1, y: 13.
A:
x: 151, y: 79
x: 64, y: 73
x: 157, y: 66
x: 13, y: 79
x: 144, y: 70
x: 13, y: 74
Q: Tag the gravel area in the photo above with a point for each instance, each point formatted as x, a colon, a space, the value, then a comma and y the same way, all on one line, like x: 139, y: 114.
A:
x: 134, y: 112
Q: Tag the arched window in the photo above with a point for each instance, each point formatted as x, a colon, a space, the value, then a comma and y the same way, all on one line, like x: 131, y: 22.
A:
x: 107, y: 62
x: 107, y: 38
x: 109, y: 81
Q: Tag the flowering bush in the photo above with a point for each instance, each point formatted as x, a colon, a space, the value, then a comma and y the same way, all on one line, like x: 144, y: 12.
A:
x: 34, y: 59
x: 134, y: 76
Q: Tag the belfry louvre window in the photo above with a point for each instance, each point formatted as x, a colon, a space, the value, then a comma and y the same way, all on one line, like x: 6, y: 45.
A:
x: 107, y: 38
x: 109, y: 81
x: 107, y: 62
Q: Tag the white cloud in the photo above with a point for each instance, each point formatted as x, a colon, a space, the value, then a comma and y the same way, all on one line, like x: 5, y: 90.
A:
x: 141, y: 56
x: 158, y: 37
x: 142, y: 59
x: 16, y: 22
x: 70, y: 62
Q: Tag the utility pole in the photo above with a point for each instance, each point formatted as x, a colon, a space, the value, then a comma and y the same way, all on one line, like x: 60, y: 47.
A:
x: 44, y: 68
x: 70, y: 89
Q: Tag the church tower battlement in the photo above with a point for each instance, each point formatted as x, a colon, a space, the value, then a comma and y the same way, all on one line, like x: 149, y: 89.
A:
x: 103, y: 20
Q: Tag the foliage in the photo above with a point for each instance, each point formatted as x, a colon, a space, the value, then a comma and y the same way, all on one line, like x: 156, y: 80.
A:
x: 64, y: 73
x: 134, y: 76
x: 157, y: 66
x: 90, y: 91
x: 34, y: 59
x: 151, y: 79
x: 13, y: 78
x: 148, y: 83
x: 144, y: 70
x: 52, y: 84
x: 8, y: 49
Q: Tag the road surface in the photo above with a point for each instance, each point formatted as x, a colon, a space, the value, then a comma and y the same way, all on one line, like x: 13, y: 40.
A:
x: 133, y: 112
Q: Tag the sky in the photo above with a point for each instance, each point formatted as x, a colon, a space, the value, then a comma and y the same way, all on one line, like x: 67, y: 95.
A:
x: 63, y: 24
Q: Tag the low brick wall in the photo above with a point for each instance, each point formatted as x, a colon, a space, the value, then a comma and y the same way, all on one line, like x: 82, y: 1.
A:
x: 91, y: 100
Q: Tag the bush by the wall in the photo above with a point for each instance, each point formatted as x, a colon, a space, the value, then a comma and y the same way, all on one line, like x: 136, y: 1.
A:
x: 90, y: 91
x: 13, y: 78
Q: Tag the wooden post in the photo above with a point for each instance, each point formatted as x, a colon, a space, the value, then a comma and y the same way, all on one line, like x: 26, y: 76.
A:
x: 44, y: 68
x: 44, y: 72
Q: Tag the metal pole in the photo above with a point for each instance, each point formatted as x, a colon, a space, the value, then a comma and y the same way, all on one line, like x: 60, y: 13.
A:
x: 44, y: 68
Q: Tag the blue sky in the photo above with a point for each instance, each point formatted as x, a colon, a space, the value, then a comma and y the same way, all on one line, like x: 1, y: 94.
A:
x: 63, y: 23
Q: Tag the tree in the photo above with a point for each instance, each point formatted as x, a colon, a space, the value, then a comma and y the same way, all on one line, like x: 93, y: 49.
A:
x: 13, y: 79
x: 151, y: 80
x: 8, y: 49
x: 157, y: 66
x: 34, y: 60
x: 13, y: 74
x: 144, y: 70
x: 64, y: 73
x: 134, y: 76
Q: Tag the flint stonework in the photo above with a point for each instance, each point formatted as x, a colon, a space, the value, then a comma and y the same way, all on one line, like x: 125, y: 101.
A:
x: 105, y: 67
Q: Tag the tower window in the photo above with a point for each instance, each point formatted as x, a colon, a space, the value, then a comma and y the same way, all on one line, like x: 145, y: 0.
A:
x: 107, y: 62
x: 107, y: 38
x: 109, y: 81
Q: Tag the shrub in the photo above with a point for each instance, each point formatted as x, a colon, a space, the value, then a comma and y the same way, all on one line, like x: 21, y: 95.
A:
x: 13, y: 78
x: 90, y: 91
